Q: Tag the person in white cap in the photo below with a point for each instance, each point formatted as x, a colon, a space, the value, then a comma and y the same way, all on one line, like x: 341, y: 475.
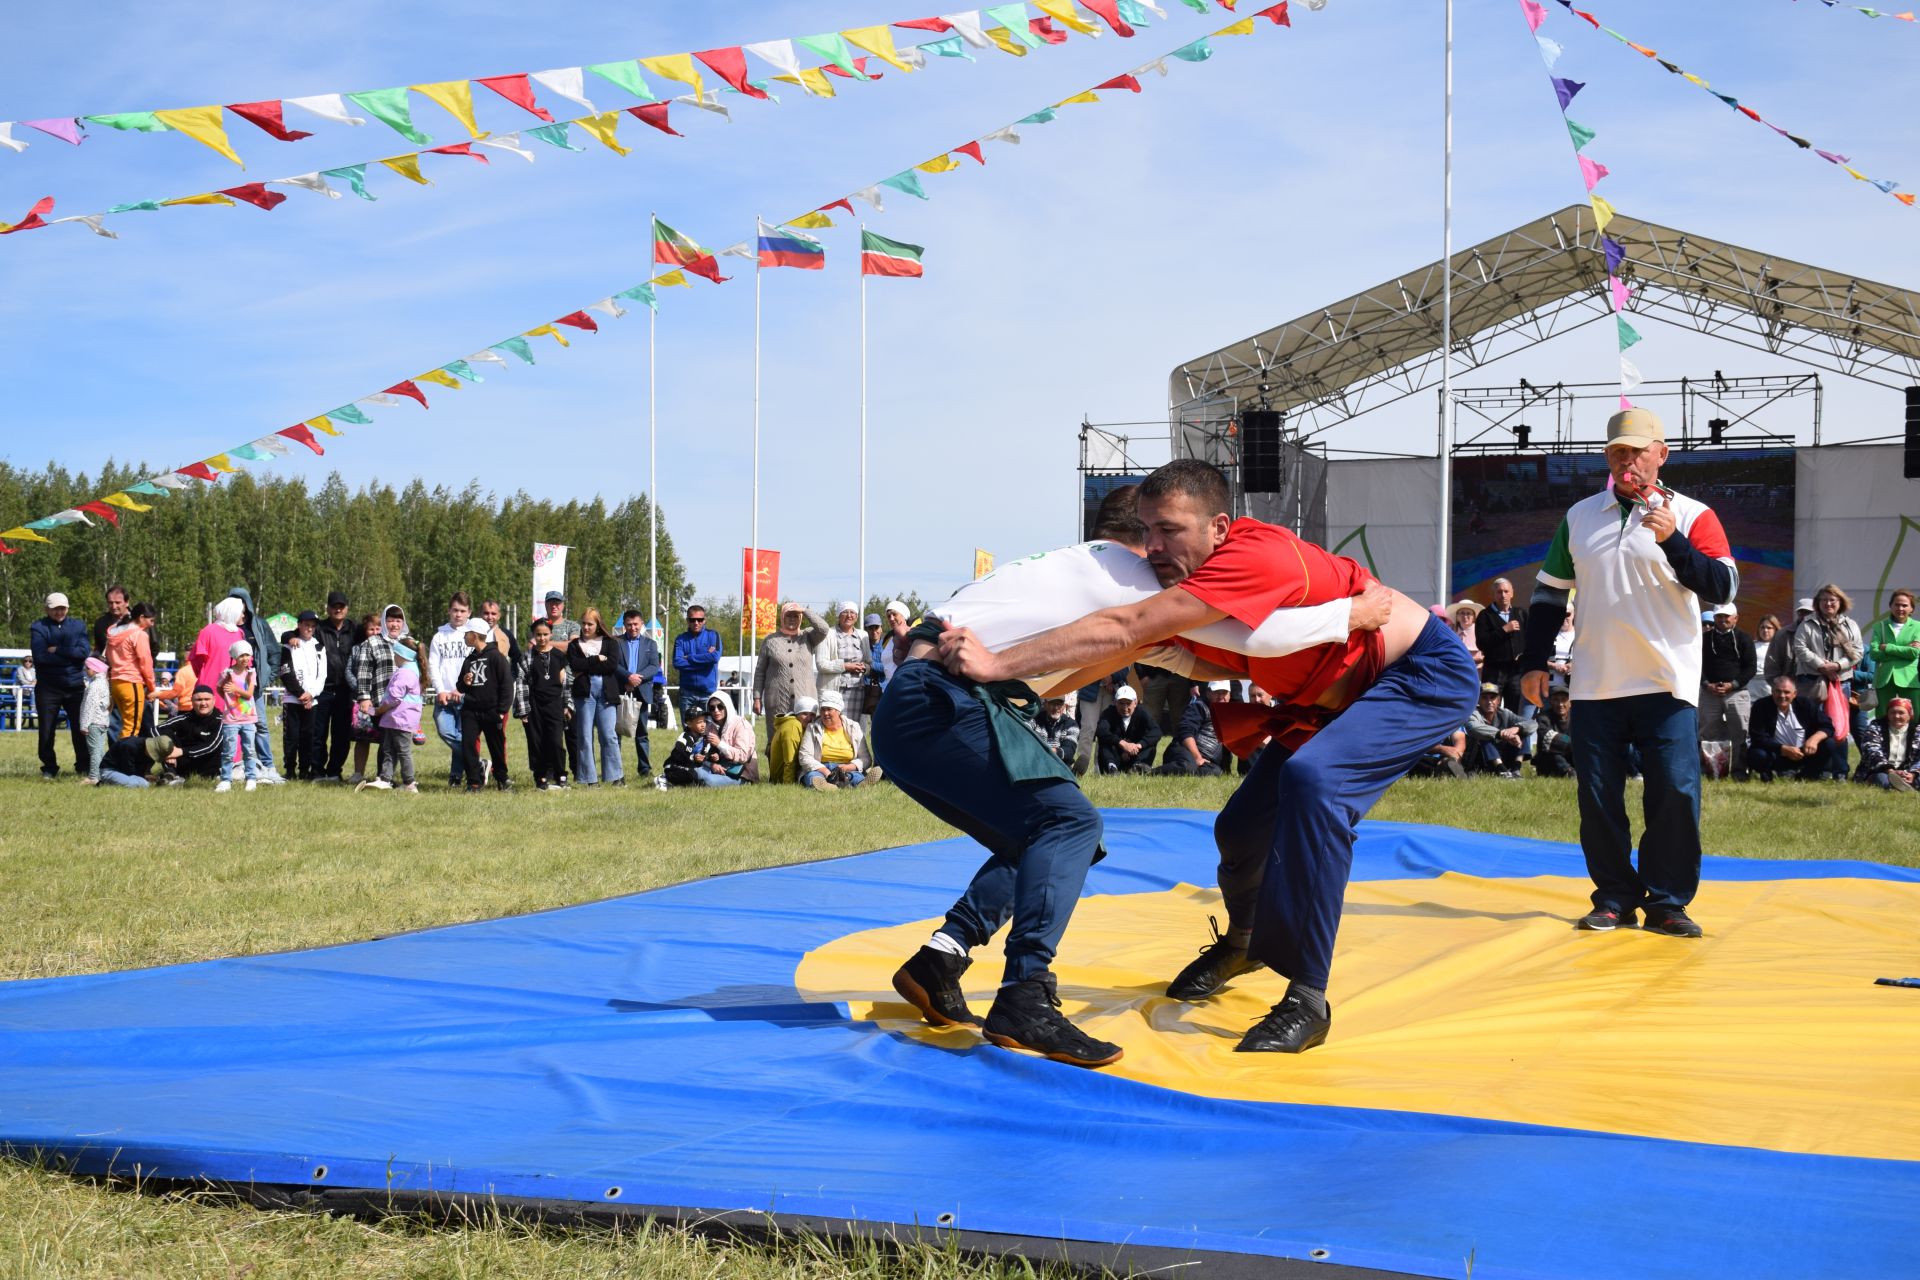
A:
x: 842, y: 660
x: 1127, y: 734
x: 1646, y: 560
x: 964, y: 747
x: 787, y: 666
x: 1725, y: 670
x: 60, y: 650
x: 833, y: 751
x: 1196, y: 749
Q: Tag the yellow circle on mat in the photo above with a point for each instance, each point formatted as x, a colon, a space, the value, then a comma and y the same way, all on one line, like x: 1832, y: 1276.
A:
x: 1475, y: 997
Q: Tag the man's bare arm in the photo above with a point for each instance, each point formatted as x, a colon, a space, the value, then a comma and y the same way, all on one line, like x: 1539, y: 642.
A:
x: 1106, y: 636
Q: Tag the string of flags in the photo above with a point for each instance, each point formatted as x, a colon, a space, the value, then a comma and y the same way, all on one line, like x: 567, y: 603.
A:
x: 672, y: 249
x: 602, y: 126
x: 1591, y: 173
x: 1551, y: 51
x: 1871, y: 13
x: 1009, y: 27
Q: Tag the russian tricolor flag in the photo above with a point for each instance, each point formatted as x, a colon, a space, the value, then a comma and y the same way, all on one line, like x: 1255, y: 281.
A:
x: 785, y: 247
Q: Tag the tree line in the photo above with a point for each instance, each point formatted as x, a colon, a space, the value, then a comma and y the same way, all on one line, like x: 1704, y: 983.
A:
x: 290, y: 545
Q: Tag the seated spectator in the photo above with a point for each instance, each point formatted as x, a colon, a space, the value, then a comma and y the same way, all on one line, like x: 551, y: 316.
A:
x: 832, y: 751
x: 97, y: 717
x: 1890, y: 749
x: 25, y: 678
x: 1554, y: 758
x: 198, y: 732
x: 1127, y: 734
x: 1444, y: 759
x: 783, y: 746
x: 733, y: 739
x: 1494, y: 736
x: 1059, y: 729
x: 695, y: 760
x: 176, y: 697
x: 1261, y: 698
x: 1789, y: 734
x: 1196, y: 749
x: 129, y: 761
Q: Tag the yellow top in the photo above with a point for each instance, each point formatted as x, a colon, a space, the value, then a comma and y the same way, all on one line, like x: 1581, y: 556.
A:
x: 835, y: 746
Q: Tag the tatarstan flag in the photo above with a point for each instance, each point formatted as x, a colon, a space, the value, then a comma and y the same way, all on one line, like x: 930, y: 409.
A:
x: 880, y: 256
x: 675, y: 250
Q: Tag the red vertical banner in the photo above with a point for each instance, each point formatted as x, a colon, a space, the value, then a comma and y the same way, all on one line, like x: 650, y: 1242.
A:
x: 760, y: 591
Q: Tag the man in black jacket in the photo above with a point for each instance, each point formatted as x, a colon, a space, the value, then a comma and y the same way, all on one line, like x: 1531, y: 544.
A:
x: 1500, y: 631
x: 1127, y: 734
x: 1725, y: 668
x: 198, y: 734
x: 1789, y: 734
x: 1196, y: 748
x: 333, y: 708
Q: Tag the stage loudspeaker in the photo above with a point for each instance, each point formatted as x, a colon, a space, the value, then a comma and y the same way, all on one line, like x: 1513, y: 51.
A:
x: 1912, y: 468
x: 1260, y: 451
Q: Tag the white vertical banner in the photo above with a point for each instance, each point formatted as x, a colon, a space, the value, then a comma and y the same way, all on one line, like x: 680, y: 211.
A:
x: 549, y: 574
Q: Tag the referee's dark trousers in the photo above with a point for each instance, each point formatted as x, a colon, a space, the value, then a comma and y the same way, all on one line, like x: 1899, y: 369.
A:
x: 932, y: 737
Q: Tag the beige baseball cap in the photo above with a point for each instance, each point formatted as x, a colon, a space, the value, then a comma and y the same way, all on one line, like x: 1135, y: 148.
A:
x: 1635, y: 427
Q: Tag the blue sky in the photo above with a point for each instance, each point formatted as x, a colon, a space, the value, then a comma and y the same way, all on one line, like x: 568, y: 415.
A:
x: 1063, y: 280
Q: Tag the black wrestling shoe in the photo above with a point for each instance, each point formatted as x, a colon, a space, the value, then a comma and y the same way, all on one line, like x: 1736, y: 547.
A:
x: 1219, y: 963
x: 1026, y: 1015
x: 930, y: 982
x: 1674, y: 922
x: 1289, y: 1027
x: 1605, y: 919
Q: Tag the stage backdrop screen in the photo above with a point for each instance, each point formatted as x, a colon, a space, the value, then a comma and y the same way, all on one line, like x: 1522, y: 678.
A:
x: 1507, y: 506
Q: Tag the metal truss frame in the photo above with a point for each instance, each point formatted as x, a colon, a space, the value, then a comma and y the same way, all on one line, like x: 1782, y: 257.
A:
x: 1534, y: 283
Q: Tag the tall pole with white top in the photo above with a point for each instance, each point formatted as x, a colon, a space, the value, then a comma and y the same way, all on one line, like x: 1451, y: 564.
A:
x: 1444, y: 563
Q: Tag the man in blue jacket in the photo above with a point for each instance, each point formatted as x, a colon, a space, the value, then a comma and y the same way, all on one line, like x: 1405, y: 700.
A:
x: 696, y: 660
x: 60, y: 651
x: 643, y: 664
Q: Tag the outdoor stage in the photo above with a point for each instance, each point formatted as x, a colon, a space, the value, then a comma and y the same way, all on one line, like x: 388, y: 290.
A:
x: 1497, y: 1087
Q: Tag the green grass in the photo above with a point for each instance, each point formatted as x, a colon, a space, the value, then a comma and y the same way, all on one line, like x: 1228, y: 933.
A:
x: 112, y: 879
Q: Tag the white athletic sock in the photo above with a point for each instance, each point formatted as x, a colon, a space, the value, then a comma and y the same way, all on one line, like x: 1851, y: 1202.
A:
x: 948, y: 943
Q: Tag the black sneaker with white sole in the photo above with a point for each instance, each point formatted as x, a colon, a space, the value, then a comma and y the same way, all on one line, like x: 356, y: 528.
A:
x: 1219, y: 963
x: 1605, y: 918
x: 1292, y: 1026
x: 930, y: 982
x: 1674, y: 922
x: 1026, y: 1015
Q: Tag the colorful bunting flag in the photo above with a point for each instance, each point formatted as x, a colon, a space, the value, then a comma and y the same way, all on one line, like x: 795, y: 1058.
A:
x: 269, y: 115
x: 408, y: 389
x: 655, y: 114
x: 203, y: 125
x: 456, y: 98
x: 518, y: 90
x: 674, y: 249
x: 391, y: 108
x: 124, y: 500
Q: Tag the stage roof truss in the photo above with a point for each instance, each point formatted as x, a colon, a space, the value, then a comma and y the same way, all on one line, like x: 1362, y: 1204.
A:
x: 1541, y: 280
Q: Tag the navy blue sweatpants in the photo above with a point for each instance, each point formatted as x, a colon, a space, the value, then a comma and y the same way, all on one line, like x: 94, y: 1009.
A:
x: 931, y: 736
x: 1286, y: 836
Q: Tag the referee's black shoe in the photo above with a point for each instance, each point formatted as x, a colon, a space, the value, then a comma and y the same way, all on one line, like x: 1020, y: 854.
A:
x: 930, y: 982
x: 1026, y: 1015
x: 1292, y: 1026
x: 1220, y: 962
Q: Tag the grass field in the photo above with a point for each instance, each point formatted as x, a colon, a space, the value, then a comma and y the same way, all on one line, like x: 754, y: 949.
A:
x: 112, y: 879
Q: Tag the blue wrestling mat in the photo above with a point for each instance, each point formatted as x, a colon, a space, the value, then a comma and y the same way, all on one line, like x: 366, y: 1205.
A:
x: 1497, y: 1086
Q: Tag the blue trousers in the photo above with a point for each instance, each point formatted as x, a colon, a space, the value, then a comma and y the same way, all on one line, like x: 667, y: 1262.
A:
x: 1665, y: 730
x: 446, y: 723
x: 1286, y: 836
x: 597, y: 720
x: 932, y: 737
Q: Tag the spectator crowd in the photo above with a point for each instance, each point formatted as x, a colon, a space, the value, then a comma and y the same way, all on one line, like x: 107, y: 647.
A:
x: 1818, y: 698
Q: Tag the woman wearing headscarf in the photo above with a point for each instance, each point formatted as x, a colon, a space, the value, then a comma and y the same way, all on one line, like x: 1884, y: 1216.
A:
x: 1890, y: 749
x: 732, y: 738
x: 1826, y: 648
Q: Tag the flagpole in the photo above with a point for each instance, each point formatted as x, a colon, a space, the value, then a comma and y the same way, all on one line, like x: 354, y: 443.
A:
x: 862, y: 597
x: 754, y: 574
x: 1443, y: 569
x: 653, y: 487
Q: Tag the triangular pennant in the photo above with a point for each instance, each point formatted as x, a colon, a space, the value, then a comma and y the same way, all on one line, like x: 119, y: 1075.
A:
x: 1244, y: 27
x: 605, y: 127
x: 655, y: 114
x: 834, y: 48
x: 204, y: 125
x: 200, y: 471
x: 255, y: 193
x: 568, y: 82
x: 130, y: 122
x: 1128, y: 82
x: 1592, y: 171
x: 579, y: 320
x: 325, y: 426
x: 67, y: 130
x: 951, y: 47
x: 1044, y: 28
x: 1063, y: 12
x: 676, y: 66
x: 778, y: 54
x: 250, y: 453
x: 554, y: 135
x: 548, y: 331
x: 23, y: 534
x: 456, y: 98
x: 407, y: 166
x: 328, y: 106
x: 641, y: 293
x: 1109, y: 13
x: 730, y: 64
x: 355, y: 176
x: 507, y: 142
x: 392, y: 108
x: 348, y: 413
x: 907, y: 181
x: 810, y: 221
x: 458, y: 149
x: 301, y: 435
x: 675, y: 279
x: 273, y: 446
x: 1580, y: 134
x: 518, y: 90
x: 626, y: 75
x: 939, y: 164
x: 205, y: 197
x: 409, y: 390
x: 516, y: 346
x: 1198, y: 51
x: 1086, y: 95
x: 1564, y: 90
x: 1628, y: 334
x: 877, y: 41
x: 104, y: 511
x: 439, y: 377
x: 1602, y: 213
x: 970, y: 149
x: 125, y: 501
x: 308, y: 182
